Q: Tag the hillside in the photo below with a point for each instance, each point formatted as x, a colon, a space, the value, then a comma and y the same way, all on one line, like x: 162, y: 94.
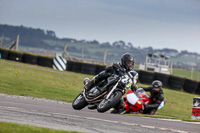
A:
x: 38, y: 41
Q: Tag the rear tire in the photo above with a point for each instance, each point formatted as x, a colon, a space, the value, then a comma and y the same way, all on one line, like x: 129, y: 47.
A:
x: 79, y: 102
x: 107, y: 104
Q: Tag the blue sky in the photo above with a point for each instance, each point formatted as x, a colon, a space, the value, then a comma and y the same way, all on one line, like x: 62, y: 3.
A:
x: 157, y: 23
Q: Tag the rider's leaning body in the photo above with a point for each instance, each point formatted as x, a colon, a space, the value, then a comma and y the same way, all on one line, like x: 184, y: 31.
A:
x: 156, y: 96
x: 114, y: 69
x: 127, y: 63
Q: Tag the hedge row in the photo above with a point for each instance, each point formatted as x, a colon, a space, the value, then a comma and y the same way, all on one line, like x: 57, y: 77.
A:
x: 146, y: 77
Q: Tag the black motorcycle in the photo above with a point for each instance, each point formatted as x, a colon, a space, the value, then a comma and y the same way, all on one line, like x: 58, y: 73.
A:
x: 106, y: 94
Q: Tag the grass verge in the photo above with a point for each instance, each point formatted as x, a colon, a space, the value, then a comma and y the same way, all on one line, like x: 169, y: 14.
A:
x: 6, y: 127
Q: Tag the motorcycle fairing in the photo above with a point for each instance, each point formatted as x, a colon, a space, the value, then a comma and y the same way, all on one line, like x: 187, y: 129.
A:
x: 135, y: 102
x: 132, y: 98
x: 161, y: 104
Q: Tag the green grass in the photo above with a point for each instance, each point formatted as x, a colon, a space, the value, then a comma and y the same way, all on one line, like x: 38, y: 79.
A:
x: 6, y: 127
x: 29, y: 80
x: 186, y: 73
x: 16, y: 79
x: 178, y: 105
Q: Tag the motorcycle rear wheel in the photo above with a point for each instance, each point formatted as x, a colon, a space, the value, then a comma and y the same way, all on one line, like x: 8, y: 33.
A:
x: 107, y: 104
x: 79, y: 102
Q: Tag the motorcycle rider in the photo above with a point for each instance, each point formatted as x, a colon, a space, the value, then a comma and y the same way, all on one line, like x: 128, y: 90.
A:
x: 156, y: 97
x: 127, y: 63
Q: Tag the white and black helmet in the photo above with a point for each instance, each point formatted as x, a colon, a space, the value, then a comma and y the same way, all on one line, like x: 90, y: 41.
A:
x: 156, y: 87
x: 157, y: 84
x: 127, y: 58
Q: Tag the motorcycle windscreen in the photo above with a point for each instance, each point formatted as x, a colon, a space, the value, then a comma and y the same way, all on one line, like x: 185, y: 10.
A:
x: 161, y: 105
x: 132, y: 98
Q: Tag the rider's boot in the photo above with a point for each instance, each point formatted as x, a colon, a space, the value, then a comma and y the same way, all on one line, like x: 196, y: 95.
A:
x: 150, y: 109
x: 152, y: 112
x: 92, y: 106
x: 95, y: 80
x: 86, y: 81
x: 89, y: 85
x: 119, y: 107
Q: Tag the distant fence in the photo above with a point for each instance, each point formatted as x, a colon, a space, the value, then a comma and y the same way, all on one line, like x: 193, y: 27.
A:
x: 145, y: 77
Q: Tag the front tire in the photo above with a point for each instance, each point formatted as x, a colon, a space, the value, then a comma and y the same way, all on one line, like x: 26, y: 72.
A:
x: 107, y: 104
x: 79, y: 102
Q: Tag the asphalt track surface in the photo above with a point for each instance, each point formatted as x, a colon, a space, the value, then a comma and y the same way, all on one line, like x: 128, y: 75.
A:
x: 61, y: 115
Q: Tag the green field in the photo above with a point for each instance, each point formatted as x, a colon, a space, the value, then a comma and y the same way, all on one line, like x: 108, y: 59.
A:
x: 32, y: 80
x: 185, y: 73
x: 28, y: 81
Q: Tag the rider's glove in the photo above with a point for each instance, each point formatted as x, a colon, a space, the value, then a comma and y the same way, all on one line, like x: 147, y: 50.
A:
x: 116, y: 65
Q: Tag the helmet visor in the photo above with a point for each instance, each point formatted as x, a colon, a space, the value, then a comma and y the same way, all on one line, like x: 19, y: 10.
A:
x: 129, y: 63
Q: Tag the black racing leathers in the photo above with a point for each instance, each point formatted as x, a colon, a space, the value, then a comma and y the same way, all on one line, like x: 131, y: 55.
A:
x: 108, y: 72
x: 156, y: 98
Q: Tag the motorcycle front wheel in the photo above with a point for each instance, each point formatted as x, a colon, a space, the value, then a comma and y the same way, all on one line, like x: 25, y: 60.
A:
x: 79, y: 102
x: 107, y: 104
